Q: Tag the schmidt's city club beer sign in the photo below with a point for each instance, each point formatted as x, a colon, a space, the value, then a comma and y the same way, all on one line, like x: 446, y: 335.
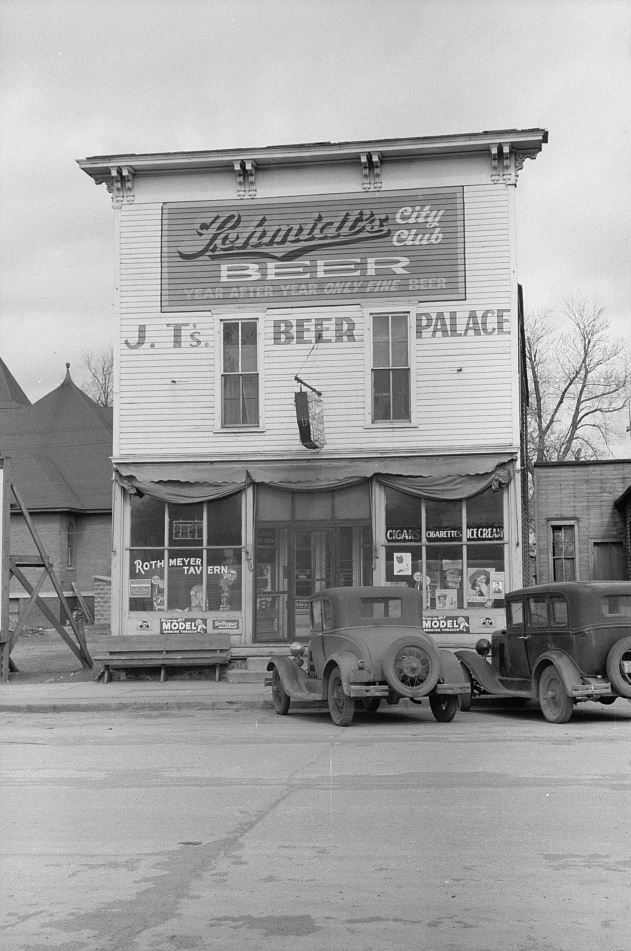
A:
x: 325, y: 247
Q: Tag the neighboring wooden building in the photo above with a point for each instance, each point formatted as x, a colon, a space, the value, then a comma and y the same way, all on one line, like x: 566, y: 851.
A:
x: 582, y: 520
x: 317, y: 381
x: 58, y: 453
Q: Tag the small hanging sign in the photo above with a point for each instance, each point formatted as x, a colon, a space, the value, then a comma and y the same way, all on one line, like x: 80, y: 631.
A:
x: 310, y: 418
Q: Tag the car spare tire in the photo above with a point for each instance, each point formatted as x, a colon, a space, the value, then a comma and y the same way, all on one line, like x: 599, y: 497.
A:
x: 412, y: 666
x: 619, y: 667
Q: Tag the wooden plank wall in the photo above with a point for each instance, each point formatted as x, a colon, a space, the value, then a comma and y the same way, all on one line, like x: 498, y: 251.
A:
x: 463, y: 396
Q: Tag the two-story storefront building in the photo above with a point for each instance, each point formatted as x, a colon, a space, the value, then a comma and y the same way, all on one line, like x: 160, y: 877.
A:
x: 317, y: 381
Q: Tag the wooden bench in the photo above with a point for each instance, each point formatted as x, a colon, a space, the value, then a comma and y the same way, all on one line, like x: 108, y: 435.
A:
x: 139, y: 650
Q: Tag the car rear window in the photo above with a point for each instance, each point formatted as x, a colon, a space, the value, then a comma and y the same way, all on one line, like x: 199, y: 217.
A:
x: 558, y: 610
x: 380, y: 607
x: 616, y: 605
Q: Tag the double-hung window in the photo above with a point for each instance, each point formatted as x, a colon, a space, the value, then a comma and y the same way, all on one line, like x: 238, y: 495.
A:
x: 239, y: 376
x: 563, y: 552
x: 390, y: 368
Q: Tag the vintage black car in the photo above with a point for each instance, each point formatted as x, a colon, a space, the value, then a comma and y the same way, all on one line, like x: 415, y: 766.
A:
x: 367, y: 645
x: 564, y: 643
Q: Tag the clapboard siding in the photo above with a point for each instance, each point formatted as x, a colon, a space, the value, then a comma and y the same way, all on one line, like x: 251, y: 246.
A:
x: 464, y: 386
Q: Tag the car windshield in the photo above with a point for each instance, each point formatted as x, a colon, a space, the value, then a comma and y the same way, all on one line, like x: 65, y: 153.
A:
x: 616, y: 605
x: 380, y: 607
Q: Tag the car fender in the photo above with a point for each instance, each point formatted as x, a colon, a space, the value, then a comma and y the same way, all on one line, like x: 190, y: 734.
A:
x: 296, y: 683
x: 568, y: 671
x: 347, y: 664
x: 452, y: 679
x: 484, y: 674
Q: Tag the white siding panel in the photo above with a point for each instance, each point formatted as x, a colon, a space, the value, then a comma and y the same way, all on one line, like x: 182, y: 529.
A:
x: 463, y: 395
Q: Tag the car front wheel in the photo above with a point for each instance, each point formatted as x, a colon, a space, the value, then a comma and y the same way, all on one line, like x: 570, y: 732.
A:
x: 280, y: 698
x: 619, y: 667
x: 341, y: 706
x: 444, y: 706
x: 556, y: 705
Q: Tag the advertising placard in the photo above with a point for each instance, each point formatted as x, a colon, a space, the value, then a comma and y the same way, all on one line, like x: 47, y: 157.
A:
x: 183, y: 625
x: 438, y: 625
x: 391, y: 244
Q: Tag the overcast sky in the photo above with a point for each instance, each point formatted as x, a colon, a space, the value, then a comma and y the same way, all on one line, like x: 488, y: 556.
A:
x: 82, y: 77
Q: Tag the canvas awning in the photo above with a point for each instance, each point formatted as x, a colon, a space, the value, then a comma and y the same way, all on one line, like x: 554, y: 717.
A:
x: 438, y: 477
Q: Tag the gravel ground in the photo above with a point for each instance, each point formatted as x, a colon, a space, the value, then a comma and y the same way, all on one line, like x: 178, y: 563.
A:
x: 42, y: 656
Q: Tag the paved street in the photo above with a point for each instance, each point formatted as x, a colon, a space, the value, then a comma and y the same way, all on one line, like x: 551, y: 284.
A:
x: 239, y: 829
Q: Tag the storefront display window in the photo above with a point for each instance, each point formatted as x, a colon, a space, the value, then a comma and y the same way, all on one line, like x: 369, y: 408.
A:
x: 185, y: 557
x: 451, y: 550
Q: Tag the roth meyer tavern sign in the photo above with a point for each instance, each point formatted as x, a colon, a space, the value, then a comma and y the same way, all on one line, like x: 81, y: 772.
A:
x: 407, y: 243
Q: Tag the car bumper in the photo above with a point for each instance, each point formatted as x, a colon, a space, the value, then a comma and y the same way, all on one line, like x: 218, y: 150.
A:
x: 368, y: 690
x: 451, y: 688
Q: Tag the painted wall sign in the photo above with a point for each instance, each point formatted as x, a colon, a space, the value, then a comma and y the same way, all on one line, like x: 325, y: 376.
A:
x: 470, y: 323
x: 381, y: 245
x: 183, y: 625
x: 322, y: 330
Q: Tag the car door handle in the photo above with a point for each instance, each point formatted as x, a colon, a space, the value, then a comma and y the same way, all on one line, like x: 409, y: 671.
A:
x: 523, y: 637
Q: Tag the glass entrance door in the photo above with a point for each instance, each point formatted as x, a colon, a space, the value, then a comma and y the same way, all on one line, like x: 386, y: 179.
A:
x: 311, y: 568
x: 292, y: 563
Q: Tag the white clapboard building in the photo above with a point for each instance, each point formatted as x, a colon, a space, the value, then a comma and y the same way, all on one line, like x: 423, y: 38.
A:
x: 318, y: 355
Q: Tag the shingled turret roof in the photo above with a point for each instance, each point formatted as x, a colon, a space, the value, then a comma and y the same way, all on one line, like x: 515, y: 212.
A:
x: 59, y: 451
x: 12, y: 396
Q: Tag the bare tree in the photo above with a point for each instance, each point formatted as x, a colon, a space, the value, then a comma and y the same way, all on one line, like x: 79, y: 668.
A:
x: 100, y: 376
x: 579, y: 380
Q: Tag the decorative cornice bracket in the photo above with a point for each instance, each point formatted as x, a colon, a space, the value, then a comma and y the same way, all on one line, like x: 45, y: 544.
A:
x: 127, y: 174
x: 371, y: 170
x: 250, y: 167
x: 507, y: 172
x: 119, y: 183
x: 246, y: 173
x: 520, y: 158
x: 363, y: 158
x: 239, y: 168
x: 495, y: 171
x: 503, y: 166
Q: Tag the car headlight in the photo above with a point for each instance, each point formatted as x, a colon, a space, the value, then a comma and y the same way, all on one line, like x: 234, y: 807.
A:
x: 298, y: 652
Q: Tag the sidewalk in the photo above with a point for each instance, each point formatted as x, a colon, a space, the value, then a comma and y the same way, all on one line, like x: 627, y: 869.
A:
x: 50, y: 679
x: 89, y: 695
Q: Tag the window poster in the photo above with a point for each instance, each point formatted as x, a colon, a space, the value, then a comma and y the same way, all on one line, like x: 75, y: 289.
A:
x: 403, y: 563
x: 446, y: 599
x: 452, y: 572
x: 497, y: 585
x: 479, y: 587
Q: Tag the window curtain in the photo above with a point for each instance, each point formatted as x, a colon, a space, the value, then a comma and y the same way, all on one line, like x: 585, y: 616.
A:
x: 449, y: 486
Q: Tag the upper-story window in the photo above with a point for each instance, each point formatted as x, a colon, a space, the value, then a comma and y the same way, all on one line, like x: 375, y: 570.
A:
x: 390, y: 367
x: 239, y: 377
